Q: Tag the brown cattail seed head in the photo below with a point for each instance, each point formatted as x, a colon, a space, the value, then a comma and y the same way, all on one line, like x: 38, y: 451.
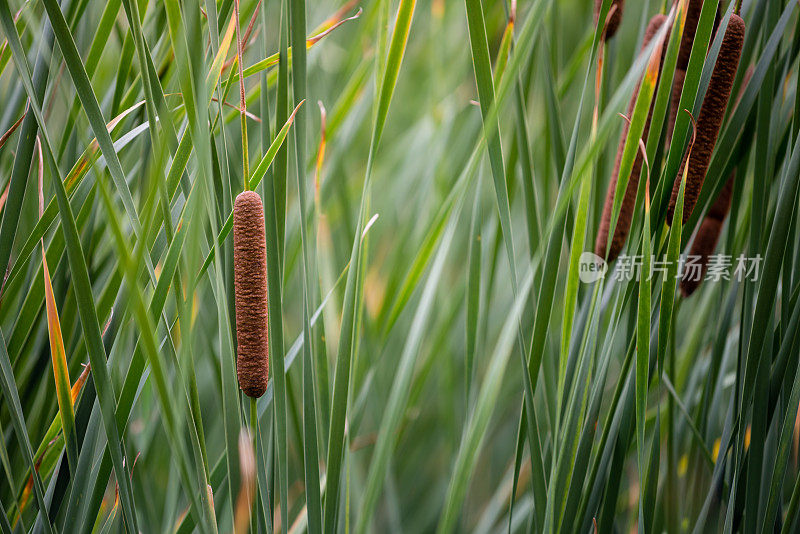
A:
x: 710, y: 120
x: 705, y: 242
x: 629, y: 199
x: 250, y: 284
x: 616, y: 16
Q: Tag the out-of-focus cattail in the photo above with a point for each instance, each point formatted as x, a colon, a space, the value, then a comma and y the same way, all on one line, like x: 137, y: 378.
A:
x: 614, y: 21
x: 705, y: 241
x: 710, y: 120
x: 250, y: 284
x: 629, y: 199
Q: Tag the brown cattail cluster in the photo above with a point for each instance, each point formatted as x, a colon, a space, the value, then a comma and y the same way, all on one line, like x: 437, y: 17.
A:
x: 250, y: 284
x: 615, y: 19
x: 629, y: 199
x: 705, y: 241
x: 710, y: 120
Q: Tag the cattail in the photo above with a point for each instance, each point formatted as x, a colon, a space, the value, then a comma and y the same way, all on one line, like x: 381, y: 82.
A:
x: 616, y: 16
x: 710, y: 120
x: 250, y: 283
x: 705, y: 242
x: 629, y: 199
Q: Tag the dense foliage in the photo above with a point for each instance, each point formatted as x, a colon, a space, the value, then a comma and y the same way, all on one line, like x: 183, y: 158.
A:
x: 443, y: 354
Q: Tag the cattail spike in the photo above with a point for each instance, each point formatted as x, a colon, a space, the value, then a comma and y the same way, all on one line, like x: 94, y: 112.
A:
x: 711, y: 116
x: 250, y: 284
x: 613, y: 22
x: 629, y: 199
x: 705, y: 242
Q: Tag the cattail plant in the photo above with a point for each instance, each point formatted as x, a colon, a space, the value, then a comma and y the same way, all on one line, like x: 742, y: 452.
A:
x: 250, y: 283
x: 711, y: 116
x: 629, y: 199
x: 705, y: 241
x: 613, y: 22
